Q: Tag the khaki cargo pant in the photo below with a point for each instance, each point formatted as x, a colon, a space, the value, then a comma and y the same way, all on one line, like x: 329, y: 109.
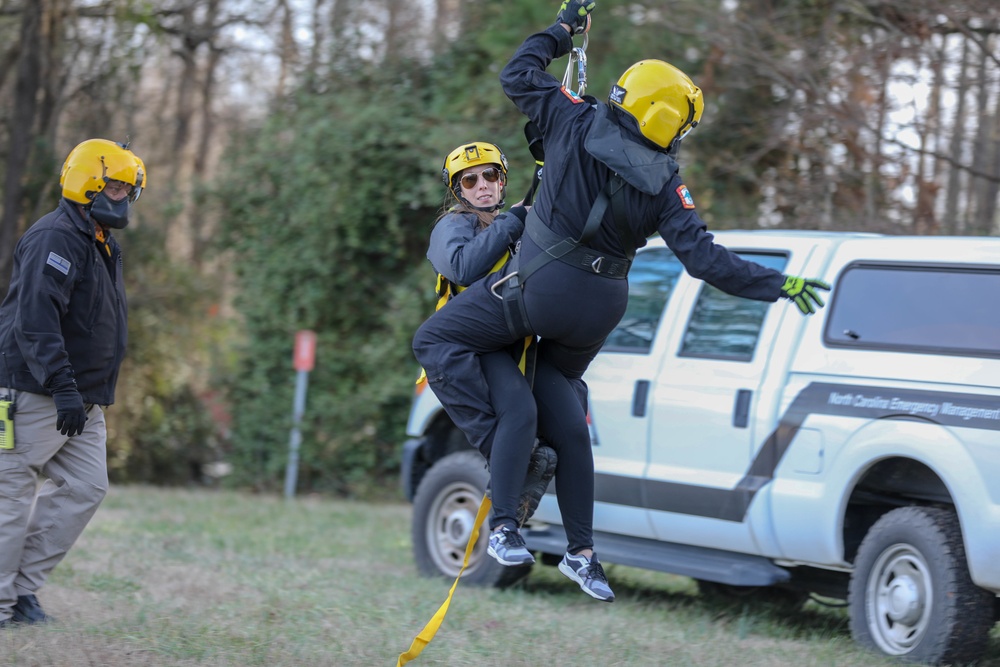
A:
x: 38, y: 525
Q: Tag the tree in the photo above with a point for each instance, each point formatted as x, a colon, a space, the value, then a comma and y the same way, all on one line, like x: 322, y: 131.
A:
x: 29, y: 64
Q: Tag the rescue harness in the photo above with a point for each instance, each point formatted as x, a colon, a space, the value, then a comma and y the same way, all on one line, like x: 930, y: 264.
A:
x: 574, y: 252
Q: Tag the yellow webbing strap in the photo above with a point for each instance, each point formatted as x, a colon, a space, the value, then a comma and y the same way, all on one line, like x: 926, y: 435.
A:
x: 427, y: 634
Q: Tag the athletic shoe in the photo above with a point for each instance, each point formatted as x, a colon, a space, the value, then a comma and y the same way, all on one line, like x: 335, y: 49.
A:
x: 508, y: 547
x: 589, y: 574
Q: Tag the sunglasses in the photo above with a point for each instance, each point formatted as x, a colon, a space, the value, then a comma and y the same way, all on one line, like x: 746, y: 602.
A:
x: 491, y: 174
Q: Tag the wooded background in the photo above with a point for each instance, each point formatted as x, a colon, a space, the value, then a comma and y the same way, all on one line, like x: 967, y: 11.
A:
x: 294, y: 150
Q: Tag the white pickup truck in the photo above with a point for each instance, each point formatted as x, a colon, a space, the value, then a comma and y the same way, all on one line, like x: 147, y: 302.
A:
x: 854, y: 454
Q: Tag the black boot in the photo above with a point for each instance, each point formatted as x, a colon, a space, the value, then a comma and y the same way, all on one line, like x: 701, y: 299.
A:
x: 541, y: 469
x: 27, y: 610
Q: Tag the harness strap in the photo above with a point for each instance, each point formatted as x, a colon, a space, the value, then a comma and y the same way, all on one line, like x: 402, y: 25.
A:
x: 509, y: 289
x: 580, y: 257
x: 618, y: 213
x: 566, y: 245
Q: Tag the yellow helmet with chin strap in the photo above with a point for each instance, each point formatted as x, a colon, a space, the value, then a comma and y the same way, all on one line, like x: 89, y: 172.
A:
x: 93, y: 163
x: 662, y: 99
x: 472, y: 155
x: 87, y: 171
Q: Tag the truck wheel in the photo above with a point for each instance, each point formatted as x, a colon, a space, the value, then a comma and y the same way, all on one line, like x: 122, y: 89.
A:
x: 910, y: 594
x: 444, y: 514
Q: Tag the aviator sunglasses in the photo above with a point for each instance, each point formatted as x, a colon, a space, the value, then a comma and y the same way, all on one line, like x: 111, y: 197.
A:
x: 491, y: 174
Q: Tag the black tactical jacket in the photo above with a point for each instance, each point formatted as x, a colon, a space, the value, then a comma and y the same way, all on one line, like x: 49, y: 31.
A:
x: 65, y: 309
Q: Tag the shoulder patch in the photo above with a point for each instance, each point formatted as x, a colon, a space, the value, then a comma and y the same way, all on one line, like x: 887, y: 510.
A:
x: 687, y: 201
x: 573, y: 97
x: 59, y: 263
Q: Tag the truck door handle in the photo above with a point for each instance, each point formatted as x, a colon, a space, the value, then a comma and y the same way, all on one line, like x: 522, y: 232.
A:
x: 741, y: 408
x: 639, y: 398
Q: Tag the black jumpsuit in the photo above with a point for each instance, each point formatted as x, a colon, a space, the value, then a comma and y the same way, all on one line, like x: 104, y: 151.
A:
x: 572, y: 310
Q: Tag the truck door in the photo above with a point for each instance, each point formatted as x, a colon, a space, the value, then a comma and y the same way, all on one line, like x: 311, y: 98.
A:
x: 619, y: 380
x: 703, y: 404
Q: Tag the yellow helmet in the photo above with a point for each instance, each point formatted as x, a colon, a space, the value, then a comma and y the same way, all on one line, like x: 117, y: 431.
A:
x: 663, y: 100
x: 93, y: 163
x: 472, y: 155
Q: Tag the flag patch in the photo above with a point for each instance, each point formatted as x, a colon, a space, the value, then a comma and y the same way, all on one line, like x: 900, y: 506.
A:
x: 573, y: 97
x: 61, y: 264
x: 687, y: 201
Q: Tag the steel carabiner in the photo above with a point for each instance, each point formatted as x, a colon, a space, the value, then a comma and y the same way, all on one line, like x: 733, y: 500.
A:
x: 579, y: 56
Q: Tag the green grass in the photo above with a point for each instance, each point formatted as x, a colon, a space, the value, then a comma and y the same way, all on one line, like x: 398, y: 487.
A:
x: 176, y: 577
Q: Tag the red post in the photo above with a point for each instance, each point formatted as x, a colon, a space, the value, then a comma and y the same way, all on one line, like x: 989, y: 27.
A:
x: 305, y: 350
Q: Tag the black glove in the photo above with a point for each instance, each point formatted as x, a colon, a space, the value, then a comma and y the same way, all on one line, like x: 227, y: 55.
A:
x: 576, y: 14
x: 70, y: 413
x: 803, y: 292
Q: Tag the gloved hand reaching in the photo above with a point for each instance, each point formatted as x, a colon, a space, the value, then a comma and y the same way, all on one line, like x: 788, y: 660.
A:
x: 71, y: 415
x: 576, y: 14
x: 803, y: 292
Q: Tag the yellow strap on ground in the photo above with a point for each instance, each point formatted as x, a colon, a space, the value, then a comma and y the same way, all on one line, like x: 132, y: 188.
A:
x: 427, y: 634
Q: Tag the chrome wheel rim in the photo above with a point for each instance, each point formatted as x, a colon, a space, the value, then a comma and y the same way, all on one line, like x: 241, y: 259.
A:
x: 899, y: 598
x: 449, y: 525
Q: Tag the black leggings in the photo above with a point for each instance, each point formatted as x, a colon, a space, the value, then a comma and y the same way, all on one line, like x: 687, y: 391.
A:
x: 560, y: 420
x: 509, y: 448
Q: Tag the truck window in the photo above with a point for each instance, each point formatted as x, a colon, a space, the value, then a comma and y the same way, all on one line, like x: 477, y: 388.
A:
x: 930, y: 309
x: 723, y: 326
x: 653, y: 276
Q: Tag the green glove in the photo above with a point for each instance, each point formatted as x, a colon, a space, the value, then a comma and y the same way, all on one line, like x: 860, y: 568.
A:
x: 803, y: 292
x: 576, y: 14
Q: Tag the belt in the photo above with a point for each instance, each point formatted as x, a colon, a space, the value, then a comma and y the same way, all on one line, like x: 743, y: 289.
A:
x: 580, y: 257
x: 592, y: 261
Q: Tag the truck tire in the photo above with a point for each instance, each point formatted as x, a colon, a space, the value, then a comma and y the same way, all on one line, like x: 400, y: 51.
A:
x: 911, y: 596
x: 444, y: 512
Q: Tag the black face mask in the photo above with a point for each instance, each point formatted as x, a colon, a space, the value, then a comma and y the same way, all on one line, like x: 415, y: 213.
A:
x: 108, y: 212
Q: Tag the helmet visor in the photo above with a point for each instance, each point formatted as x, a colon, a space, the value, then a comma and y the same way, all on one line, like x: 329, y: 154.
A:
x: 118, y: 190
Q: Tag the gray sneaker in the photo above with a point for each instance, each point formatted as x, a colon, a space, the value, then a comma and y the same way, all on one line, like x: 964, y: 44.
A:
x: 589, y: 574
x: 508, y: 547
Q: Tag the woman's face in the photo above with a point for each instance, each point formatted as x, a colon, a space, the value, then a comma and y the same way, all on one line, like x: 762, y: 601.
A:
x: 481, y: 185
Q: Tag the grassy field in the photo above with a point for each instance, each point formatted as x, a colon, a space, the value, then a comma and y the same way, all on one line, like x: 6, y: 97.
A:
x: 176, y: 578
